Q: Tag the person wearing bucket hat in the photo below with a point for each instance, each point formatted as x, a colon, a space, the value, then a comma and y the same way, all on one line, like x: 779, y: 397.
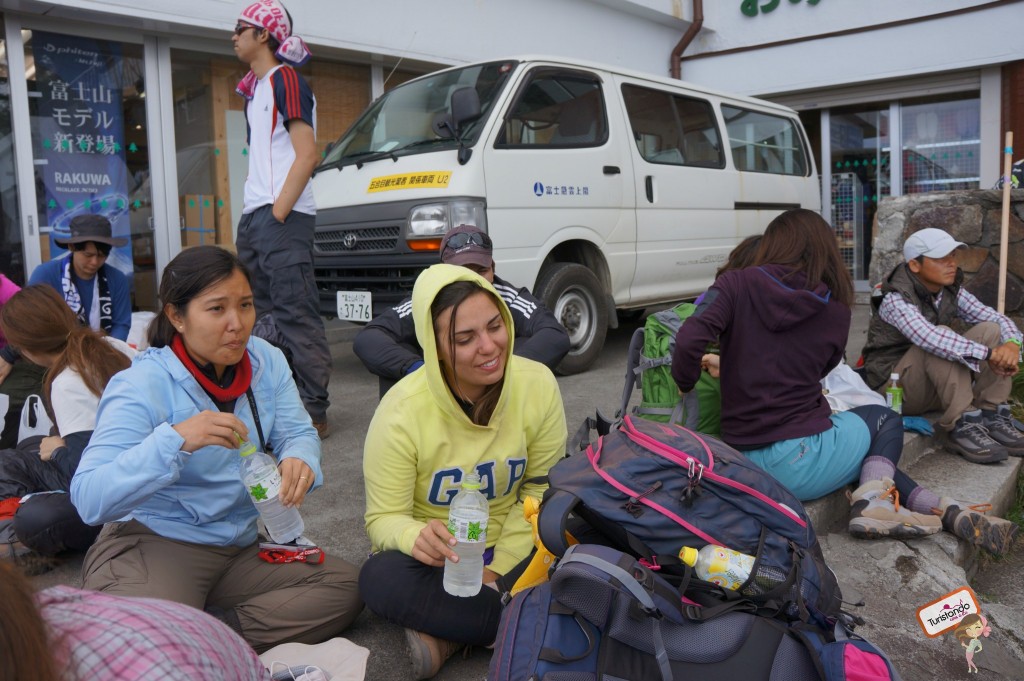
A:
x: 966, y: 376
x: 387, y: 345
x: 275, y: 233
x: 98, y: 293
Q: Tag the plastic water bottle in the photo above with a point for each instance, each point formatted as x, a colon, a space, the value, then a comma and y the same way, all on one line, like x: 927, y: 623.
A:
x: 716, y: 564
x: 263, y: 482
x: 894, y: 394
x: 467, y: 521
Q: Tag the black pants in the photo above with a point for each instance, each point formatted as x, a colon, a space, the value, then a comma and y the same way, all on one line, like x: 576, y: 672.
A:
x: 886, y: 428
x: 411, y: 594
x: 47, y: 523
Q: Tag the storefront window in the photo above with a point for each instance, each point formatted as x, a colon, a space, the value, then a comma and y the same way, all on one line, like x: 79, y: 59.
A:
x: 89, y: 143
x: 941, y: 145
x: 860, y: 177
x: 12, y: 254
x: 209, y: 132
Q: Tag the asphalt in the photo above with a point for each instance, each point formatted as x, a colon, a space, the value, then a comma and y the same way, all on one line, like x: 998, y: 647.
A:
x: 892, y: 578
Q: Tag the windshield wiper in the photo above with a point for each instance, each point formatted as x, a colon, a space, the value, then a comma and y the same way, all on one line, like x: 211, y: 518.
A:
x: 360, y: 158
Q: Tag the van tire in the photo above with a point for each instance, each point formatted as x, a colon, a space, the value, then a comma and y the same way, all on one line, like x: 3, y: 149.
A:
x: 576, y: 297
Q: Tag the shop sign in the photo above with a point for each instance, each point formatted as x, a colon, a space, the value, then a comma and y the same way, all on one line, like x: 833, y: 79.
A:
x: 752, y: 8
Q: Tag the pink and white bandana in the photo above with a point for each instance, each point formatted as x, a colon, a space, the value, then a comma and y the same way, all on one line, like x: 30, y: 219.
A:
x: 270, y: 14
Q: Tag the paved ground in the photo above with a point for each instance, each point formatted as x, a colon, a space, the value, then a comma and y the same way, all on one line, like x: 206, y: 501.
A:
x: 334, y: 518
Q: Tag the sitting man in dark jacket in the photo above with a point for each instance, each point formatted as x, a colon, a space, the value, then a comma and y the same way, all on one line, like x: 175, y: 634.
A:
x: 966, y: 376
x: 388, y: 347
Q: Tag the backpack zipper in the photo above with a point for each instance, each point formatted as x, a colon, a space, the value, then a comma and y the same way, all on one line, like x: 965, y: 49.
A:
x: 633, y: 505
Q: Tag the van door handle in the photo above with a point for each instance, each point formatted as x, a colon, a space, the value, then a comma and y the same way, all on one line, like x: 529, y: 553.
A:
x: 649, y: 184
x: 611, y: 170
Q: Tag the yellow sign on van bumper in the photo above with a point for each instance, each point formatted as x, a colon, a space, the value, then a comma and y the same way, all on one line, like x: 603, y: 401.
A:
x: 420, y: 180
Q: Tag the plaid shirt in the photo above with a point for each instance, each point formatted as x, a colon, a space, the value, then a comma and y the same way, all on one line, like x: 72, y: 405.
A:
x: 945, y: 343
x: 139, y: 639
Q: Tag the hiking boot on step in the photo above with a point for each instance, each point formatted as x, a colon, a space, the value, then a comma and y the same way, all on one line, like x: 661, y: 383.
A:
x: 969, y: 522
x: 876, y: 513
x: 428, y: 653
x: 1000, y: 425
x: 971, y: 440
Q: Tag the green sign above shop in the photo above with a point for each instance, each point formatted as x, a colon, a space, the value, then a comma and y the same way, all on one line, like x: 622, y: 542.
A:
x: 752, y: 8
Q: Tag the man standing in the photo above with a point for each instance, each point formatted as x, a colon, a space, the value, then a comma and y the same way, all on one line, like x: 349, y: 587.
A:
x: 275, y: 234
x: 966, y: 376
x: 387, y: 346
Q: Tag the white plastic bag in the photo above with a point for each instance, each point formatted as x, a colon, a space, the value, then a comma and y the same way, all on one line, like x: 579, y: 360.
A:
x: 845, y: 389
x: 137, y: 332
x: 5, y: 403
x: 34, y: 420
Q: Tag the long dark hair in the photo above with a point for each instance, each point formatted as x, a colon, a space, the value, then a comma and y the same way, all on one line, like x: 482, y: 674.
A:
x: 25, y: 646
x: 186, y: 276
x: 452, y: 296
x: 742, y: 256
x: 801, y: 239
x: 37, y: 319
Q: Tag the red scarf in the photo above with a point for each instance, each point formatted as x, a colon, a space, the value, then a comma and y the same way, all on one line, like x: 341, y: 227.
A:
x: 243, y: 374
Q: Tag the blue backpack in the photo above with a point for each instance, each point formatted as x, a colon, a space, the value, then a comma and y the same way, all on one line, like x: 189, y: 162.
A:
x: 605, y: 615
x: 650, y: 489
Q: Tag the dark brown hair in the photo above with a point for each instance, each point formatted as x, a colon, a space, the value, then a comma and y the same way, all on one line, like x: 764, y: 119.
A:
x: 452, y: 296
x: 25, y: 646
x: 802, y: 240
x: 186, y: 276
x: 742, y: 256
x: 38, y: 320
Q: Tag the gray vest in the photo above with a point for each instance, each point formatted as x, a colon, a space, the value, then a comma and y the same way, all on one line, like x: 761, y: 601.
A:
x: 886, y: 345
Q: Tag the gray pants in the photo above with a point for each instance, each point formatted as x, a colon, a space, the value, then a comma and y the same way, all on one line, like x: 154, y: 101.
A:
x: 274, y: 603
x: 932, y: 383
x: 279, y: 256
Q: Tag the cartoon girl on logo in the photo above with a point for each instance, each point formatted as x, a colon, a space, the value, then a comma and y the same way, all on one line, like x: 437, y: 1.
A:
x: 969, y: 633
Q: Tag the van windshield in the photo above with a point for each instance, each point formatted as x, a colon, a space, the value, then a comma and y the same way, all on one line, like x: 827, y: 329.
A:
x: 400, y: 122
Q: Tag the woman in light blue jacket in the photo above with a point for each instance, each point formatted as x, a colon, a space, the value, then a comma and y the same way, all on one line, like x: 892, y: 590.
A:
x: 162, y: 467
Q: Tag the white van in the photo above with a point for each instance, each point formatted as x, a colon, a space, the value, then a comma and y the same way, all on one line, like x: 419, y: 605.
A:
x: 604, y: 190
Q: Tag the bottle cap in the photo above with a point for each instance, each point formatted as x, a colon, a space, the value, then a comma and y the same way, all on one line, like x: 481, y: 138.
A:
x: 245, y: 448
x: 894, y: 377
x: 471, y: 481
x: 688, y: 555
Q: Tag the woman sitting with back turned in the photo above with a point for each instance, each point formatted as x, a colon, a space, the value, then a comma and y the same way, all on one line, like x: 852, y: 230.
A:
x: 162, y: 468
x: 782, y: 325
x: 474, y: 407
x: 79, y: 362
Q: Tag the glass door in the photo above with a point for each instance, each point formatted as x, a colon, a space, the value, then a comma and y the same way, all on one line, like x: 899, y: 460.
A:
x: 12, y: 251
x: 86, y: 101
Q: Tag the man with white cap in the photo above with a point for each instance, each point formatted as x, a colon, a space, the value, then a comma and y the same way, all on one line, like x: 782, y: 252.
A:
x: 275, y: 233
x: 966, y: 376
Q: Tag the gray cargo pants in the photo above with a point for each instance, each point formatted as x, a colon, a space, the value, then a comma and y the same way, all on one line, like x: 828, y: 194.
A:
x: 279, y: 256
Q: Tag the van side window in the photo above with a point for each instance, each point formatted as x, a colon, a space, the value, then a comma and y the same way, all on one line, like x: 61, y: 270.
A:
x: 557, y: 109
x: 673, y: 129
x: 763, y: 143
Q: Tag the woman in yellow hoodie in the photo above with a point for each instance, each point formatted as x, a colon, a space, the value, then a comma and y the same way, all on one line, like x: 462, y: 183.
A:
x: 473, y: 407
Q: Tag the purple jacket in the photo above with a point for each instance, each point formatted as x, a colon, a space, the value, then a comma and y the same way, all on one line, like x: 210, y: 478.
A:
x: 7, y: 289
x: 778, y: 340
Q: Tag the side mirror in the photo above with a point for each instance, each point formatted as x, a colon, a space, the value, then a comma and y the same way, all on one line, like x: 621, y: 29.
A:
x: 465, y: 106
x: 442, y: 125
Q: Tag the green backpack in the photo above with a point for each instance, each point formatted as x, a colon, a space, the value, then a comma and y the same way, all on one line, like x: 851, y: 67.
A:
x: 649, y: 367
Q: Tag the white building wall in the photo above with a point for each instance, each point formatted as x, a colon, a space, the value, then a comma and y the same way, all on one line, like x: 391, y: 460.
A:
x: 635, y: 34
x: 968, y: 40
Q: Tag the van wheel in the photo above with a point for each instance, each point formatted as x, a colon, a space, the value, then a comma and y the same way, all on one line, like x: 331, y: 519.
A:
x: 576, y: 298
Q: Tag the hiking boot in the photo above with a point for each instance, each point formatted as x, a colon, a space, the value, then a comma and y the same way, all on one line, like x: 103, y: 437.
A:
x: 876, y: 513
x: 428, y: 653
x: 1000, y: 425
x: 322, y: 429
x: 970, y: 439
x: 969, y: 522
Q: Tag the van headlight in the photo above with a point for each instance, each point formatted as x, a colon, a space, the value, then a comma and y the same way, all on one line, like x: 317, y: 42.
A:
x: 432, y: 220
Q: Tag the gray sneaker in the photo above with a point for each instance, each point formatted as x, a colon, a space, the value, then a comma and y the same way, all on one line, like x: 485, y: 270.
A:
x: 1000, y: 425
x: 970, y: 439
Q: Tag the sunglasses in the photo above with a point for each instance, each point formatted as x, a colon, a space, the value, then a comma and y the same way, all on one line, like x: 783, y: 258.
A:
x: 242, y: 28
x: 463, y: 239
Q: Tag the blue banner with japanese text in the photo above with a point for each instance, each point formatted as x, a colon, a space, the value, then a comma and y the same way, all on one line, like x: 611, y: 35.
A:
x: 80, y: 128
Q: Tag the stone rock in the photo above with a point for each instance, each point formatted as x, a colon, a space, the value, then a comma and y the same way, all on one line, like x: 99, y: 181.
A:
x: 971, y: 259
x: 1014, y: 257
x: 994, y: 225
x: 963, y: 222
x: 985, y: 285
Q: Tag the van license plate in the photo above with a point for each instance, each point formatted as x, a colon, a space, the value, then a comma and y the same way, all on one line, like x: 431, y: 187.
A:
x: 355, y: 306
